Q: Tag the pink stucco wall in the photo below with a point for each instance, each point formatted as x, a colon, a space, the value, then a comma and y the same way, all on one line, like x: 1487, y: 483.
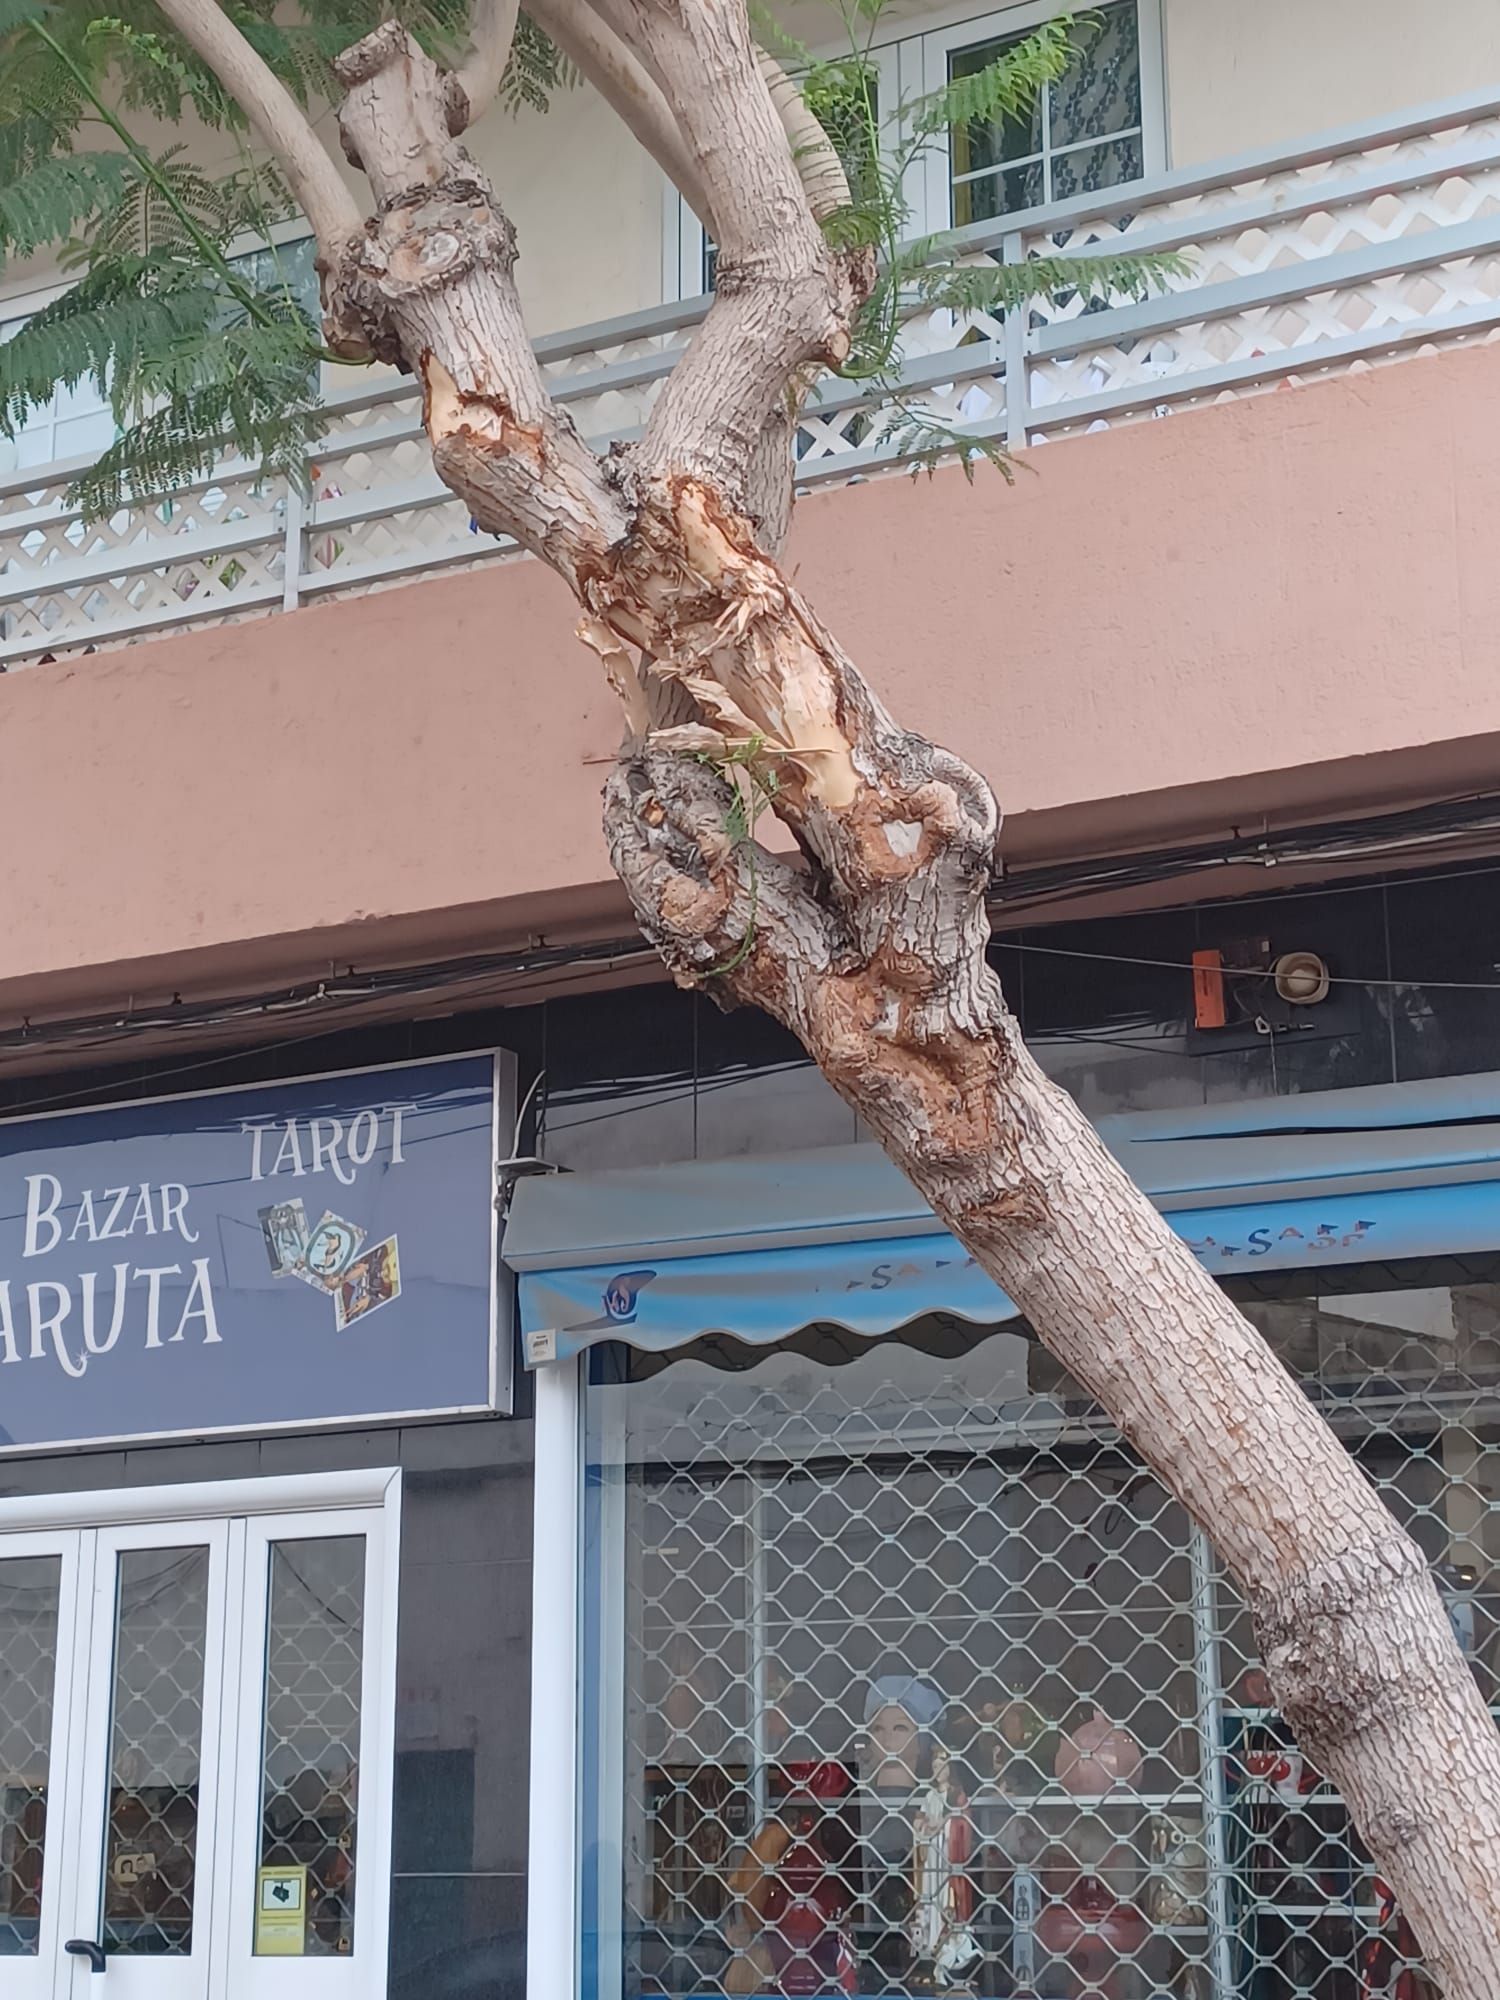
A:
x: 1240, y: 610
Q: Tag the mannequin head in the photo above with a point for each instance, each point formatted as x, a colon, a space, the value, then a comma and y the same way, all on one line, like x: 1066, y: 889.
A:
x: 900, y: 1713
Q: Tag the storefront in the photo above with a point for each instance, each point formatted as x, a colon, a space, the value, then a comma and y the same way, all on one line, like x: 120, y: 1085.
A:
x: 257, y: 1723
x: 892, y: 1671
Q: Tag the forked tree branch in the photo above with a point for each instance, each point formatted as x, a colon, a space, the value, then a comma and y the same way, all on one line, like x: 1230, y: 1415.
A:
x: 492, y: 32
x: 621, y: 79
x: 278, y: 120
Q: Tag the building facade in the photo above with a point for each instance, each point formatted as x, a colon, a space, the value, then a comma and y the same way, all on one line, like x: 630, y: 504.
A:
x: 535, y: 1506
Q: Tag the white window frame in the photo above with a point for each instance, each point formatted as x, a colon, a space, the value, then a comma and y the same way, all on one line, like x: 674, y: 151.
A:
x: 239, y: 1519
x: 911, y: 61
x: 935, y: 46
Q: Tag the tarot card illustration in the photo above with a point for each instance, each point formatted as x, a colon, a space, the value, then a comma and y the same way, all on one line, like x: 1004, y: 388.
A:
x: 332, y: 1245
x: 370, y: 1282
x: 284, y: 1227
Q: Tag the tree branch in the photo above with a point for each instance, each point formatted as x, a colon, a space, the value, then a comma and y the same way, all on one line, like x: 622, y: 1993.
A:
x: 823, y: 178
x: 587, y: 40
x: 785, y: 297
x: 279, y: 122
x: 431, y: 284
x: 491, y: 33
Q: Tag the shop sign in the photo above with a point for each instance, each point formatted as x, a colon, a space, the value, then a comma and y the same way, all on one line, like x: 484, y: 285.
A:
x: 305, y: 1253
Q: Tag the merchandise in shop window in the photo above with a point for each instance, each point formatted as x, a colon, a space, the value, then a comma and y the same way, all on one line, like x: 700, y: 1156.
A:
x: 867, y: 1875
x: 1293, y: 1853
x: 1095, y: 1756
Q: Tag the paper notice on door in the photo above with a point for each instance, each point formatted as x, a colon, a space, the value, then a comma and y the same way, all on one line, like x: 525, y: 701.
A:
x: 281, y: 1913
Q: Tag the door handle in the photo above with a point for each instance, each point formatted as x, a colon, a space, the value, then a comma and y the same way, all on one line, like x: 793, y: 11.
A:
x: 86, y: 1948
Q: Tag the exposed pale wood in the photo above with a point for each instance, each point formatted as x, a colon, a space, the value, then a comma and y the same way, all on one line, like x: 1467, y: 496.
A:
x: 492, y: 30
x: 432, y: 281
x: 279, y: 122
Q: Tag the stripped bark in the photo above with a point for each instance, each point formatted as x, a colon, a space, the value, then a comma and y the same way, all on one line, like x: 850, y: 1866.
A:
x: 870, y: 946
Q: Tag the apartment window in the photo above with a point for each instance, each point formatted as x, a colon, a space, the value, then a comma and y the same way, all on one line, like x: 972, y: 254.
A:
x: 1100, y: 126
x: 1084, y: 132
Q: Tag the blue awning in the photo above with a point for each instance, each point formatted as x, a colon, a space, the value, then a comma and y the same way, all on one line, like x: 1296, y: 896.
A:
x: 758, y: 1248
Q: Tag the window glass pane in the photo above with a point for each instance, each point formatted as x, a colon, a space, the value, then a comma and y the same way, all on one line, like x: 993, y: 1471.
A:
x: 1093, y: 167
x: 285, y: 265
x: 1101, y: 92
x: 999, y: 194
x: 881, y: 1646
x: 1002, y: 165
x: 310, y: 1758
x: 28, y: 1671
x: 991, y: 142
x: 156, y: 1740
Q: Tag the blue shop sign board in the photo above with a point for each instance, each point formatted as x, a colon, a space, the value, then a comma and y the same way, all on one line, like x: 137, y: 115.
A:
x: 305, y: 1253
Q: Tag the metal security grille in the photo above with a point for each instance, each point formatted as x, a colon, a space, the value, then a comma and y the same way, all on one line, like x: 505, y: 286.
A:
x: 914, y: 1681
x: 310, y: 1775
x: 29, y: 1589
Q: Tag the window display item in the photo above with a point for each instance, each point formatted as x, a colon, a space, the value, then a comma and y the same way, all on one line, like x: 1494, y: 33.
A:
x: 790, y: 1932
x: 943, y: 1906
x: 917, y: 1906
x: 1093, y: 1938
x: 1389, y: 1967
x: 1095, y: 1756
x: 1179, y: 1873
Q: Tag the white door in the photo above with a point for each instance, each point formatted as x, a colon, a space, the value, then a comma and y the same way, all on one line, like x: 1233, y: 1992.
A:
x: 39, y: 1687
x: 143, y: 1879
x: 195, y: 1750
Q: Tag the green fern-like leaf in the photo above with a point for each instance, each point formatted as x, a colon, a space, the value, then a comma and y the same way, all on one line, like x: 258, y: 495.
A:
x: 174, y: 446
x: 56, y: 196
x: 21, y: 13
x: 1006, y: 88
x: 991, y: 287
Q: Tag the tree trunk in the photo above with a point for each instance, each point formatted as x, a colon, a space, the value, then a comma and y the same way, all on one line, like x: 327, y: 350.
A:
x: 871, y: 947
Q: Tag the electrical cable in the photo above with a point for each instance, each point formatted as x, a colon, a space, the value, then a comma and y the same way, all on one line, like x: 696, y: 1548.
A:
x: 508, y: 976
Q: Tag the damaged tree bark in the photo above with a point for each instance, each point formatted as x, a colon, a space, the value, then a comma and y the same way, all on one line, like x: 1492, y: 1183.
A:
x: 871, y: 946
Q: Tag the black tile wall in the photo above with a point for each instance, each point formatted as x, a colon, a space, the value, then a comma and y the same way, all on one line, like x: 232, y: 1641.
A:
x: 1447, y: 933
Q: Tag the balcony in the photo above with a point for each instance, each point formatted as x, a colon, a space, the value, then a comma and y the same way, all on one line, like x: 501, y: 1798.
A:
x: 1350, y: 250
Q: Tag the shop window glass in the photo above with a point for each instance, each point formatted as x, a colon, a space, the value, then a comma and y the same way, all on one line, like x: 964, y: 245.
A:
x: 907, y: 1677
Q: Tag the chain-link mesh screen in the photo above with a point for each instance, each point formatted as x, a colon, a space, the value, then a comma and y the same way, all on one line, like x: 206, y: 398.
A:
x: 910, y: 1679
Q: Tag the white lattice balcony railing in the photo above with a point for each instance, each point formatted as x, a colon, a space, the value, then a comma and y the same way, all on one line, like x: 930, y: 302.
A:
x: 1348, y: 250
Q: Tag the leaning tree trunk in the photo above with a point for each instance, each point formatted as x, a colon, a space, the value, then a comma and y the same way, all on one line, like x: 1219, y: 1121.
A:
x: 871, y: 947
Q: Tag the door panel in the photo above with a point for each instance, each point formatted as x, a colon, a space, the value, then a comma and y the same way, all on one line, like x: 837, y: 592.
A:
x: 146, y: 1849
x: 38, y: 1619
x: 313, y: 1774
